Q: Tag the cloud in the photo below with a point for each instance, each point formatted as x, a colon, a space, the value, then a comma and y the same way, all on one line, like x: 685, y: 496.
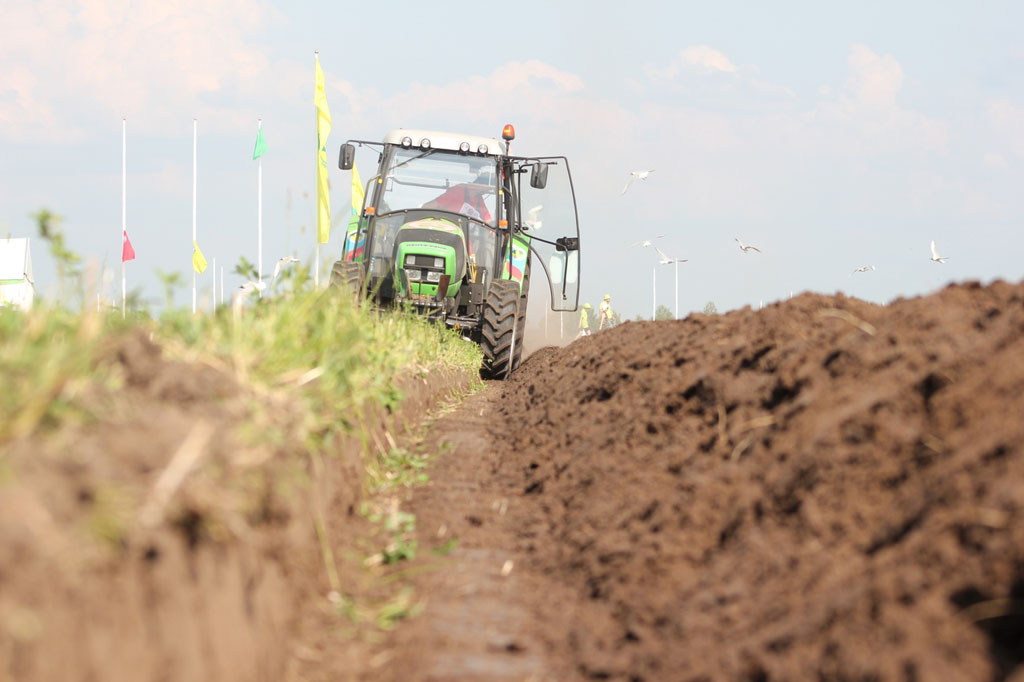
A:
x: 734, y: 136
x: 865, y: 116
x: 522, y: 91
x: 708, y: 78
x: 693, y: 59
x: 872, y: 79
x: 554, y: 112
x: 994, y: 160
x: 515, y: 74
x: 509, y: 86
x: 708, y: 58
x: 20, y: 105
x: 860, y: 116
x: 1006, y: 120
x: 152, y: 61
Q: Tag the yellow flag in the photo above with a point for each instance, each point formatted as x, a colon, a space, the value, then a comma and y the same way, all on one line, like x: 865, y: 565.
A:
x: 198, y: 262
x: 357, y: 191
x: 323, y: 128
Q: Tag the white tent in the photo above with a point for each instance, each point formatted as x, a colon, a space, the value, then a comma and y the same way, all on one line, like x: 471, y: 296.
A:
x: 17, y: 288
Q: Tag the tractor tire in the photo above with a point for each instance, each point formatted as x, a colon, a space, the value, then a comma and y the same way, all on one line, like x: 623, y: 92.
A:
x: 498, y: 338
x: 347, y: 276
x: 521, y: 317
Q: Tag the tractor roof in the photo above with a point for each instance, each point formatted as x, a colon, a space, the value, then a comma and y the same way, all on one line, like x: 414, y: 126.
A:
x: 442, y: 140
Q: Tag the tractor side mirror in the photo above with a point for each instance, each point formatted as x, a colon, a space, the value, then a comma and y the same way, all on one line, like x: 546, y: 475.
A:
x: 539, y: 176
x: 567, y: 244
x: 347, y: 157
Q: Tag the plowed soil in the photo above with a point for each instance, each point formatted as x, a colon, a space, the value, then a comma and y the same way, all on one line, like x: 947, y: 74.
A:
x: 824, y: 489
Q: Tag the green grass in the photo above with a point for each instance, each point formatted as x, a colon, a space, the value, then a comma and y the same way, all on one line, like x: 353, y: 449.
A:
x: 336, y: 358
x: 339, y: 358
x: 47, y: 359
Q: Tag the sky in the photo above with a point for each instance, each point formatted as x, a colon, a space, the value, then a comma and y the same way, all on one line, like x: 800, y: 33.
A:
x: 829, y: 135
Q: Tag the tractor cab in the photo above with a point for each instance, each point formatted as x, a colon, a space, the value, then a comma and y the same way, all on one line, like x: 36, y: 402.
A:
x: 442, y: 229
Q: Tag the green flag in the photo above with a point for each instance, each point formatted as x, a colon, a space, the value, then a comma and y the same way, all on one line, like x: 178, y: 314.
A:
x: 261, y: 145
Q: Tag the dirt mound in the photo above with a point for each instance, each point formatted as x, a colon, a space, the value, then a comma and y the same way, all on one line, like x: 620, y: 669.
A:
x: 823, y: 489
x: 91, y: 590
x: 169, y: 532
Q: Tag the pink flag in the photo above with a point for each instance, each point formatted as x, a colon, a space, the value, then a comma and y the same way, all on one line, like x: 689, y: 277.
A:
x: 127, y: 252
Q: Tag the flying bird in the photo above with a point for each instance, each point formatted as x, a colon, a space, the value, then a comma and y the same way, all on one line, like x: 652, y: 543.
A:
x: 863, y: 268
x: 746, y: 247
x: 280, y: 265
x: 647, y: 242
x: 665, y: 260
x: 250, y: 287
x: 636, y: 175
x: 935, y: 255
x: 243, y: 292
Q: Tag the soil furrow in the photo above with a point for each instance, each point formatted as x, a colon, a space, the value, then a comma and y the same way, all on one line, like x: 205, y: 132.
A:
x: 824, y: 489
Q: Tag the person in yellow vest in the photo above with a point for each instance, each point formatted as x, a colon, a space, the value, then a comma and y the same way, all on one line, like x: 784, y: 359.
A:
x: 585, y: 320
x: 604, y: 320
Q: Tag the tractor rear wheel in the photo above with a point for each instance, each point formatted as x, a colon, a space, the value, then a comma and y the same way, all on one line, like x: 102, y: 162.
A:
x: 498, y: 338
x: 347, y: 276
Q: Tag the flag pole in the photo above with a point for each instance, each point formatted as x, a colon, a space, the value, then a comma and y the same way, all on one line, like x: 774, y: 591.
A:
x: 316, y: 126
x: 259, y: 213
x: 195, y: 135
x: 124, y: 210
x: 654, y: 300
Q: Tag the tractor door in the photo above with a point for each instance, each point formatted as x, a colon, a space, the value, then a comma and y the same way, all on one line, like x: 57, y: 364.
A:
x: 362, y: 195
x: 358, y: 224
x: 548, y: 220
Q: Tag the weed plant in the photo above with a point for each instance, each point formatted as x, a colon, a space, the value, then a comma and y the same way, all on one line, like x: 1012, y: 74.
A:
x: 339, y: 358
x: 47, y: 358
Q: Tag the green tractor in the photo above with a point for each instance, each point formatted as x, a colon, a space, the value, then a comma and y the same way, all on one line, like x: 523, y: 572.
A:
x: 442, y: 231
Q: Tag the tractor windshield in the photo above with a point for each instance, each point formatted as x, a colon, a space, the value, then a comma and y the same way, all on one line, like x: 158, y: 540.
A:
x: 442, y: 180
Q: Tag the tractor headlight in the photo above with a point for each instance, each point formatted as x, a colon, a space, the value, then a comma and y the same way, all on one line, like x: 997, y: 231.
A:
x: 439, y: 262
x: 433, y: 276
x: 482, y: 149
x: 414, y: 275
x: 425, y: 143
x: 406, y: 141
x: 464, y: 147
